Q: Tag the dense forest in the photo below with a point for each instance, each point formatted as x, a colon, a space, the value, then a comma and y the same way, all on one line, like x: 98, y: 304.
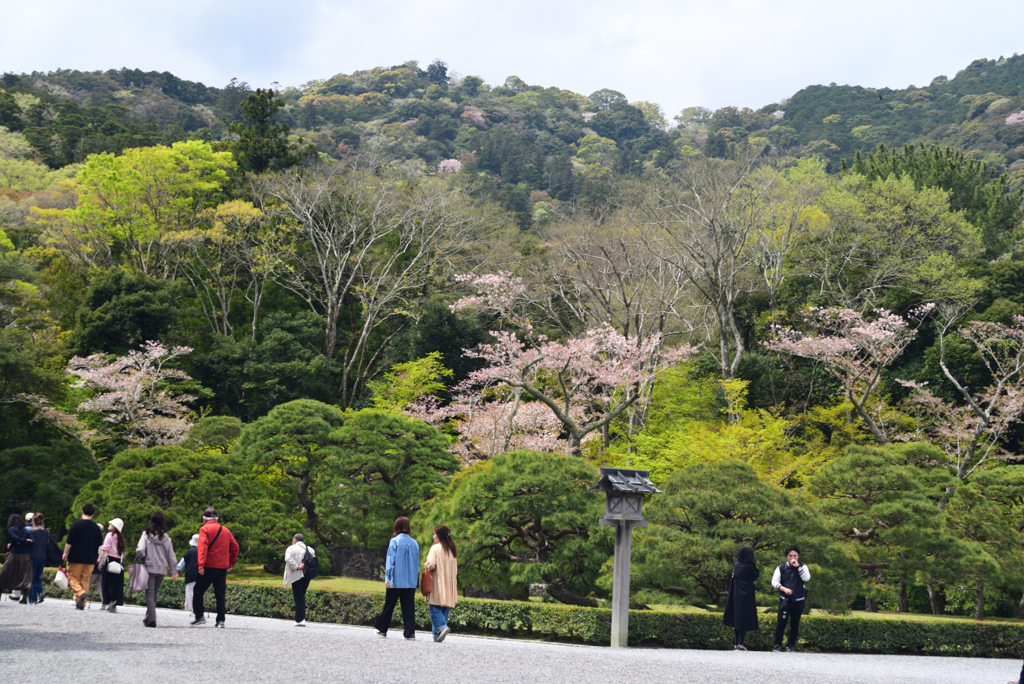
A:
x: 399, y: 292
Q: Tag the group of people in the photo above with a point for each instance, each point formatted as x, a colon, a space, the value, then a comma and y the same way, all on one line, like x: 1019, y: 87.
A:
x: 213, y: 552
x: 788, y: 579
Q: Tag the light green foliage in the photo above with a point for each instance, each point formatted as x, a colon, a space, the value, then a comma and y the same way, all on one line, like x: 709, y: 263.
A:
x: 706, y: 512
x: 182, y: 483
x: 289, y: 447
x: 407, y: 383
x: 386, y: 465
x: 136, y: 200
x: 593, y: 149
x: 523, y: 517
x: 25, y: 174
x: 13, y: 145
x: 213, y: 434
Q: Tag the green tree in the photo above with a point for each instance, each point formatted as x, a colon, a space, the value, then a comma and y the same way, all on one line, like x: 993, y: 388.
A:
x: 44, y: 479
x: 386, y: 465
x: 883, y: 503
x: 525, y: 517
x: 290, y: 446
x: 408, y: 383
x: 709, y: 510
x: 262, y: 141
x: 182, y: 483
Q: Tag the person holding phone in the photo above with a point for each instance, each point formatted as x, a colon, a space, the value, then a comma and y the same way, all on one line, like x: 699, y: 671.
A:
x: 789, y: 580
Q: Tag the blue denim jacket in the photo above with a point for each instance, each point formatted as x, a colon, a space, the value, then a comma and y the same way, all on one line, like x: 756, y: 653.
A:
x: 403, y: 565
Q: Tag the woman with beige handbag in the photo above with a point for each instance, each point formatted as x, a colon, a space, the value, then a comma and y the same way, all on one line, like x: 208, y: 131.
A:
x: 440, y: 587
x: 110, y: 564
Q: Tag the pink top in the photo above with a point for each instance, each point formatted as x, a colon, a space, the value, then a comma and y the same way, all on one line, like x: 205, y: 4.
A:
x: 110, y: 545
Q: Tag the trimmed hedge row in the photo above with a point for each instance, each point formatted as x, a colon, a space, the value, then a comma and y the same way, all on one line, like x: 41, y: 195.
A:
x: 593, y: 625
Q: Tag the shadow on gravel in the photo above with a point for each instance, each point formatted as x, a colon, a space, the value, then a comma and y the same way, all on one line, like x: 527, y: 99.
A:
x: 62, y: 641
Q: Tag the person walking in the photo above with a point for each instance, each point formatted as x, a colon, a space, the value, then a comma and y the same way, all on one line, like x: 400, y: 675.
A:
x: 112, y: 578
x: 789, y: 579
x: 157, y: 555
x: 295, y: 576
x: 740, y: 605
x: 81, y: 550
x: 401, y: 576
x: 16, y: 573
x: 444, y: 593
x: 217, y: 553
x: 37, y: 556
x: 190, y: 563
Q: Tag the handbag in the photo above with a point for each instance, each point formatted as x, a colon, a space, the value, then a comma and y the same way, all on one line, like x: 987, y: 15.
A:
x: 138, y: 577
x: 427, y: 582
x: 115, y: 567
x: 61, y: 578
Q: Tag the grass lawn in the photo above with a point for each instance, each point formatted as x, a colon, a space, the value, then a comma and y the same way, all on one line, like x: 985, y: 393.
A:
x: 254, y: 574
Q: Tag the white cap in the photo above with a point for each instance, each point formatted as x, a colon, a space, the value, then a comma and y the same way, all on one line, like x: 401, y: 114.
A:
x: 28, y: 517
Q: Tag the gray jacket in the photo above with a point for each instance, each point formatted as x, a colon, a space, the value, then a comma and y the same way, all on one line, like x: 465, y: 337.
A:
x: 159, y: 554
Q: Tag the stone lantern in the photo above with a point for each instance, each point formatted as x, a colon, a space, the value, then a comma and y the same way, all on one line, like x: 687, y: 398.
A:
x: 624, y: 491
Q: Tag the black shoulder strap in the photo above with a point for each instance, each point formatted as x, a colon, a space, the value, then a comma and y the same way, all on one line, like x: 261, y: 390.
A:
x: 215, y: 537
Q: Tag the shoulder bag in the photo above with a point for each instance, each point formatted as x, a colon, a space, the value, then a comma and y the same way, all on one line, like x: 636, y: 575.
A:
x: 427, y: 582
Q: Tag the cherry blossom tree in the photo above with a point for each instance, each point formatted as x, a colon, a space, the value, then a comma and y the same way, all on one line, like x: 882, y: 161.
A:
x: 972, y: 434
x: 130, y: 396
x: 854, y: 350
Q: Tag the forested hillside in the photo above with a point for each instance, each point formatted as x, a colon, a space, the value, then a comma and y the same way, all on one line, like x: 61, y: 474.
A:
x: 395, y: 292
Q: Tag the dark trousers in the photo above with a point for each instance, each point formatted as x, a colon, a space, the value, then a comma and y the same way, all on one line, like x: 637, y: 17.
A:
x: 738, y: 637
x: 789, y: 610
x: 408, y: 600
x: 299, y: 592
x: 217, y: 577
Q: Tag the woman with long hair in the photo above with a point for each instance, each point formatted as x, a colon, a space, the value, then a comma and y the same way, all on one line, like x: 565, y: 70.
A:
x: 157, y: 554
x: 111, y: 554
x: 401, y: 576
x: 16, y: 574
x: 441, y: 560
x: 741, y: 606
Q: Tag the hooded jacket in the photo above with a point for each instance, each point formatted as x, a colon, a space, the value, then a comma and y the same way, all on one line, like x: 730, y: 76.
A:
x: 741, y: 605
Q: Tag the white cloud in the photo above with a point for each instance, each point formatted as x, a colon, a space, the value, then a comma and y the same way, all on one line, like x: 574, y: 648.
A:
x: 684, y: 53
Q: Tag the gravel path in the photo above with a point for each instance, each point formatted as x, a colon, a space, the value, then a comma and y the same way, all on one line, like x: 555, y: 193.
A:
x: 53, y: 642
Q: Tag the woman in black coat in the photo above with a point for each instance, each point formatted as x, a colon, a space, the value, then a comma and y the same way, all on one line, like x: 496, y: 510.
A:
x: 740, y: 606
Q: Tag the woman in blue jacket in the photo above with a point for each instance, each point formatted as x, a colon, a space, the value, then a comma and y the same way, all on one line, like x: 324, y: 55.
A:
x: 401, y: 577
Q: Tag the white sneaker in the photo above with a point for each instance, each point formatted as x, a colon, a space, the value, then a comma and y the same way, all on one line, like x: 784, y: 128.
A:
x: 300, y: 624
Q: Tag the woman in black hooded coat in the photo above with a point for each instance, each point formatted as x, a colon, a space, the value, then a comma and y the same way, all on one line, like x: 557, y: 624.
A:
x: 740, y: 606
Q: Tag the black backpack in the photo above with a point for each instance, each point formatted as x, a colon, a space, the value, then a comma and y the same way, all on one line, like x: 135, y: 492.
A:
x: 54, y: 557
x: 310, y: 565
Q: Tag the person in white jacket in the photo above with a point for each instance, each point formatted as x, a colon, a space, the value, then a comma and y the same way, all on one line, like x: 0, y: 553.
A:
x: 294, y: 576
x: 789, y: 580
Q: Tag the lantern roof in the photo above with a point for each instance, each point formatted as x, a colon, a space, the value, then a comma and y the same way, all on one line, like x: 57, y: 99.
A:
x: 625, y: 480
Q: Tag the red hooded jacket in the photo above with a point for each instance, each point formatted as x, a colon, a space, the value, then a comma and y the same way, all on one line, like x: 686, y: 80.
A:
x: 224, y: 553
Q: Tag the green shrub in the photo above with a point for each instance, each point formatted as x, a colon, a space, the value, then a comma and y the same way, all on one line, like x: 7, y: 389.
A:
x: 593, y: 625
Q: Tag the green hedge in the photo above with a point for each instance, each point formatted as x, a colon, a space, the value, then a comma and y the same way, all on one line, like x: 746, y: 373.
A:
x: 646, y: 628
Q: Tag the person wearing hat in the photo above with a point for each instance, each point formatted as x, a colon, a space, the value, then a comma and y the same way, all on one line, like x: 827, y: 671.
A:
x: 217, y: 553
x: 111, y: 553
x: 157, y: 554
x: 190, y: 563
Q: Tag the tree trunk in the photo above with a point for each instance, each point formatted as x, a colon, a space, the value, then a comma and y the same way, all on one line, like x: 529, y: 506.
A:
x: 558, y: 591
x: 1018, y: 608
x: 870, y: 606
x: 979, y: 594
x: 903, y: 601
x: 937, y: 599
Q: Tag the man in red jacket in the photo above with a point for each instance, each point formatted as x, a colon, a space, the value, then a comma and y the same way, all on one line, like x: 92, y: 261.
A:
x: 218, y: 552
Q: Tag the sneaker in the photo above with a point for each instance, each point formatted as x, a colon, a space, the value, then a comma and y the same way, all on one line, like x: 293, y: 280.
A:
x: 789, y: 649
x: 146, y: 623
x: 413, y: 637
x: 198, y: 621
x: 39, y: 600
x: 777, y: 649
x: 300, y: 623
x: 382, y: 635
x: 740, y: 647
x: 220, y: 623
x: 24, y: 600
x: 112, y: 608
x: 80, y: 602
x: 442, y: 634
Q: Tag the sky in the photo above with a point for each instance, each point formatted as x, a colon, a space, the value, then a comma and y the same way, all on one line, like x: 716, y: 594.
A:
x: 677, y: 53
